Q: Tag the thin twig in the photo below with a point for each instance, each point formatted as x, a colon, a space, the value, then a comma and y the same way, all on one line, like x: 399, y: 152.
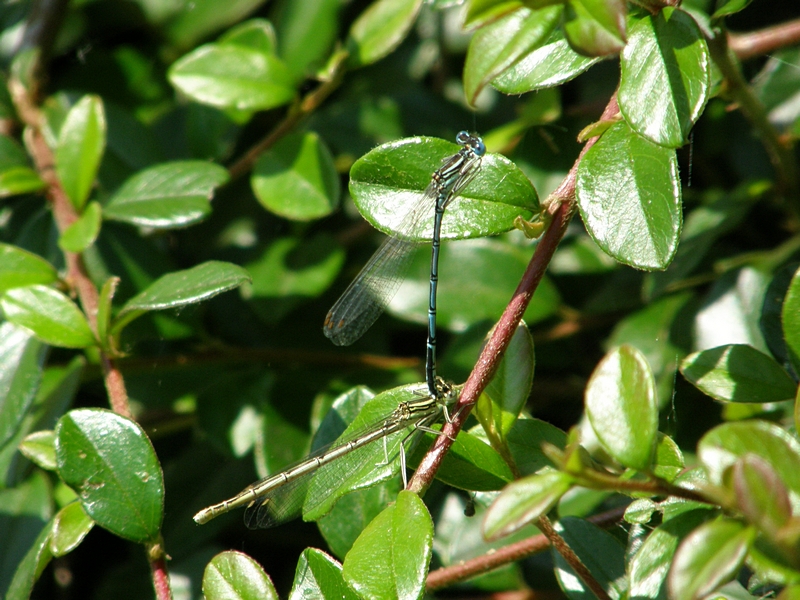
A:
x: 765, y: 41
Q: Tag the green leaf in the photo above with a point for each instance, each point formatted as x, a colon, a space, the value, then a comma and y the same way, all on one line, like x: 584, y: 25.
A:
x: 664, y: 82
x: 471, y: 464
x: 629, y: 196
x: 230, y: 76
x: 494, y: 268
x: 40, y: 447
x: 760, y: 494
x: 16, y: 176
x: 31, y: 567
x: 110, y: 463
x: 255, y: 34
x: 22, y: 358
x: 524, y: 501
x: 648, y: 569
x: 20, y: 268
x: 669, y: 458
x: 308, y: 29
x: 622, y: 407
x: 729, y: 7
x: 70, y: 525
x: 296, y: 179
x: 81, y: 144
x: 181, y: 288
x: 598, y: 550
x: 83, y: 232
x: 707, y: 558
x: 505, y: 396
x: 397, y: 174
x: 550, y: 64
x: 365, y: 466
x: 235, y: 576
x: 791, y: 320
x: 380, y: 29
x: 738, y: 373
x: 496, y: 47
x: 390, y: 558
x: 168, y: 195
x: 595, y: 27
x: 352, y: 513
x: 721, y: 447
x: 319, y: 576
x: 51, y: 316
x: 525, y: 442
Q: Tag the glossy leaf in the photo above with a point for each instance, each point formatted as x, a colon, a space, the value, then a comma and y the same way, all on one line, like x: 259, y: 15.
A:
x: 22, y: 359
x: 296, y: 179
x: 598, y: 550
x: 494, y: 269
x: 19, y: 268
x: 255, y: 34
x: 707, y: 558
x: 109, y: 461
x: 70, y: 526
x: 505, y: 396
x: 481, y: 12
x: 388, y: 181
x: 595, y: 27
x: 629, y: 196
x: 550, y: 64
x: 168, y: 195
x: 235, y: 576
x: 524, y: 501
x: 40, y: 447
x: 52, y: 317
x: 319, y: 576
x: 16, y: 176
x: 665, y: 77
x: 622, y: 407
x: 498, y: 46
x: 760, y: 494
x: 525, y: 441
x: 181, y: 288
x: 721, y: 447
x: 83, y: 232
x: 365, y: 466
x: 233, y: 76
x: 380, y: 29
x: 390, y: 558
x: 738, y: 373
x: 647, y: 573
x: 669, y: 458
x: 80, y: 149
x: 729, y: 7
x: 307, y: 30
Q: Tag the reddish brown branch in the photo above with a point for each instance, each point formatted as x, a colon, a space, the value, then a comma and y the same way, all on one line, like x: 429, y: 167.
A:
x: 508, y: 554
x: 764, y: 41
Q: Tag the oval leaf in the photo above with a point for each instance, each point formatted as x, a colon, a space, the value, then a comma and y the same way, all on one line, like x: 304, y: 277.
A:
x: 760, y: 494
x: 707, y: 558
x: 168, y: 195
x: 296, y: 179
x: 40, y: 447
x: 498, y: 46
x: 180, y: 288
x: 390, y: 558
x: 70, y: 526
x: 19, y: 268
x: 83, y: 232
x: 387, y: 182
x: 664, y: 82
x: 738, y: 373
x: 790, y: 316
x: 233, y: 76
x: 16, y: 176
x: 380, y: 29
x: 319, y: 576
x: 524, y: 501
x: 53, y: 318
x: 109, y: 461
x: 629, y: 196
x: 596, y: 27
x: 81, y: 143
x: 622, y: 407
x: 22, y: 358
x: 235, y: 576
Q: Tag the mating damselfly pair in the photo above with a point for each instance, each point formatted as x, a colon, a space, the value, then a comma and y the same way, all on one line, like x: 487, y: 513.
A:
x: 281, y: 497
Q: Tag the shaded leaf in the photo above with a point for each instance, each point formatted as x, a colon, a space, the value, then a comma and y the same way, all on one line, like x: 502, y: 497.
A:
x: 70, y: 525
x: 319, y: 576
x: 81, y: 143
x: 380, y: 29
x: 83, y: 232
x: 235, y: 576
